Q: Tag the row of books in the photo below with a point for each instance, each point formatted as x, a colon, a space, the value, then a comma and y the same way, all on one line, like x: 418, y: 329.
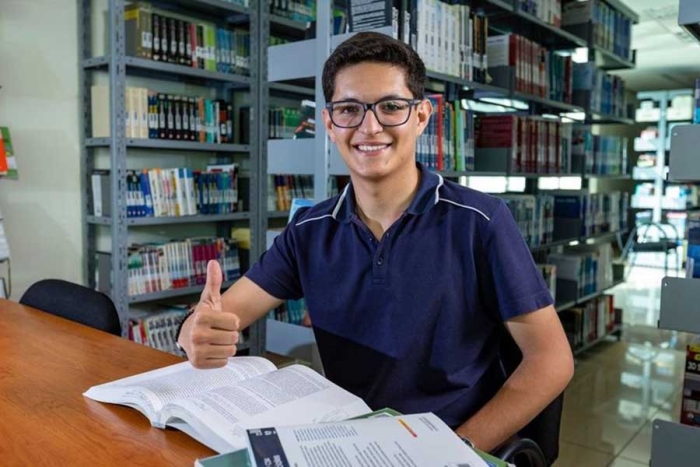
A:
x: 530, y: 68
x: 449, y: 37
x: 297, y: 10
x: 692, y: 264
x: 153, y: 34
x: 288, y: 123
x: 532, y: 144
x: 679, y: 197
x: 582, y: 214
x: 291, y: 311
x: 170, y: 192
x: 153, y: 115
x: 534, y: 215
x: 591, y: 321
x: 282, y: 189
x: 179, y: 264
x: 612, y: 30
x: 156, y: 326
x: 598, y: 154
x: 548, y: 11
x: 447, y: 143
x: 156, y: 329
x: 599, y: 91
x: 582, y: 270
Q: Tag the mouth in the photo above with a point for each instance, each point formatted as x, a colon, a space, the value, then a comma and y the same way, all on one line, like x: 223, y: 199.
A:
x: 371, y: 149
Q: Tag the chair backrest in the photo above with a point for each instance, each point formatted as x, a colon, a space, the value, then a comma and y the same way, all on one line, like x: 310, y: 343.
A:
x: 74, y: 302
x: 544, y: 428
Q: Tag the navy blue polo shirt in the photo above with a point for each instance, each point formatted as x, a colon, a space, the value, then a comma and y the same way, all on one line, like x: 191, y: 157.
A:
x: 412, y: 321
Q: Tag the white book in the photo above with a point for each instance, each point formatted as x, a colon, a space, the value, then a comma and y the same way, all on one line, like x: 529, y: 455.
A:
x: 217, y: 406
x: 143, y: 112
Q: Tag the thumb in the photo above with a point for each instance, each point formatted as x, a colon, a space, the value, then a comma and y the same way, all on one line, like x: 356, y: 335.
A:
x: 212, y: 289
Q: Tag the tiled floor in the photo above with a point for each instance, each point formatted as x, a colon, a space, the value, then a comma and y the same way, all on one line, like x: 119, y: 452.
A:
x: 620, y: 387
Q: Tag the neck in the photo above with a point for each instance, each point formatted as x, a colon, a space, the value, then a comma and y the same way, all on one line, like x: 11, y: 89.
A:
x: 381, y: 203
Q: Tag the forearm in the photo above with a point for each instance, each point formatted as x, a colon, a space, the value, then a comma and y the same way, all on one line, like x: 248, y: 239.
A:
x: 248, y: 301
x: 531, y: 387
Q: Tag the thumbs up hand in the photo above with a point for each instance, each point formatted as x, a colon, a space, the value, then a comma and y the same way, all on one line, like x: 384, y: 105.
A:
x: 210, y: 335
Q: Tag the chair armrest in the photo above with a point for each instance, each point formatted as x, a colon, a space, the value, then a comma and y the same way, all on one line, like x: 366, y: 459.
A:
x: 517, y: 446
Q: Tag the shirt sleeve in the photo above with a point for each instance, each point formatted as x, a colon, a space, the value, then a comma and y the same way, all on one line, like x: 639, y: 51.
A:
x: 517, y: 285
x: 277, y: 272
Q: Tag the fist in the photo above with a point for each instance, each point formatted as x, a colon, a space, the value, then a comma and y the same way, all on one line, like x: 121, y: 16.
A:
x: 210, y: 335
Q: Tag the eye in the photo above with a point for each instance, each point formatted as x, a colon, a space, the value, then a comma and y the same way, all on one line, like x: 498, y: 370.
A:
x: 347, y: 108
x: 392, y: 106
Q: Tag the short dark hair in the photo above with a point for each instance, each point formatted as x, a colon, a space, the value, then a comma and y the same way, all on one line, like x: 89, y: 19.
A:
x: 378, y: 48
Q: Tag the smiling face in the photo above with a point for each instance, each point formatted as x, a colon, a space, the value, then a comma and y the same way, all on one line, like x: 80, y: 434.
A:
x: 372, y: 151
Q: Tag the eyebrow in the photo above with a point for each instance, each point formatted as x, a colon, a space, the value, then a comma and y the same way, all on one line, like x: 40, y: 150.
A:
x: 389, y: 96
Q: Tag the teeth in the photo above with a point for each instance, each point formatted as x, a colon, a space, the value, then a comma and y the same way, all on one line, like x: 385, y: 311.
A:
x: 364, y: 147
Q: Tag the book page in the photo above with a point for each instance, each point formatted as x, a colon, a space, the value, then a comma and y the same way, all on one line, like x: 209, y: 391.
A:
x: 402, y: 441
x: 292, y: 395
x: 149, y: 392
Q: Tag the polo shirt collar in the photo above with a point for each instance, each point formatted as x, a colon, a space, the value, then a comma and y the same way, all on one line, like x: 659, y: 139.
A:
x: 426, y: 197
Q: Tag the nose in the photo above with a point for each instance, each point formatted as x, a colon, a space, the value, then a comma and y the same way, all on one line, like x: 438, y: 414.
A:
x: 370, y: 125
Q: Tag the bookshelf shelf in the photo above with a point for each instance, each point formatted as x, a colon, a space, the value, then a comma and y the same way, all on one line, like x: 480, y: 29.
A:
x: 168, y: 70
x: 608, y: 60
x: 216, y: 8
x: 277, y: 214
x: 591, y: 240
x: 471, y: 85
x: 597, y: 118
x: 547, y: 104
x: 609, y: 176
x: 200, y: 218
x: 616, y: 330
x: 170, y: 145
x: 566, y: 305
x: 173, y: 293
x: 550, y: 35
x: 293, y: 89
x: 287, y: 26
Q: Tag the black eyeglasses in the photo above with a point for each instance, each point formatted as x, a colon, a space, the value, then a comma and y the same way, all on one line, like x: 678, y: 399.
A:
x: 389, y: 112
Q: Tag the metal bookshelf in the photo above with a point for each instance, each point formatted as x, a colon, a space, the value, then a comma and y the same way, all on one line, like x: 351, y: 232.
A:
x: 674, y: 443
x: 118, y: 66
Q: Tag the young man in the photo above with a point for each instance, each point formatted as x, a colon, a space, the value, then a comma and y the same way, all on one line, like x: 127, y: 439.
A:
x: 411, y: 281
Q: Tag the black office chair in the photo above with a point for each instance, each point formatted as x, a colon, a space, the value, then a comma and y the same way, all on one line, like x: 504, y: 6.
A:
x: 536, y: 445
x: 74, y: 302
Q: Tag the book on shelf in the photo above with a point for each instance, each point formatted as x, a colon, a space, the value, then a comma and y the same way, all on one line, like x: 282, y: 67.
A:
x: 527, y: 144
x: 518, y: 63
x: 154, y: 115
x: 447, y: 143
x: 158, y: 35
x: 590, y: 321
x: 216, y: 406
x: 8, y: 161
x: 170, y: 192
x: 612, y: 29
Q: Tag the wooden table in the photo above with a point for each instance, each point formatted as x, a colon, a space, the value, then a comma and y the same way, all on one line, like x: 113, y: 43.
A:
x: 46, y: 363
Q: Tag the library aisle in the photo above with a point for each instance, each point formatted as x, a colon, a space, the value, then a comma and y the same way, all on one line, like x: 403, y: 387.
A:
x: 620, y: 387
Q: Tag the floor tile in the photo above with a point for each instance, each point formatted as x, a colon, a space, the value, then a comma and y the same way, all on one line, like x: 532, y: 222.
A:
x: 572, y: 455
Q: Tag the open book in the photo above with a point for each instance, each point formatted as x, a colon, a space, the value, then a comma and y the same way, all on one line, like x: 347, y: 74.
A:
x: 404, y: 440
x: 216, y: 407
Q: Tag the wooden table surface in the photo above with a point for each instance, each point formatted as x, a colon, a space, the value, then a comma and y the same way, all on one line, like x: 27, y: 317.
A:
x: 46, y: 363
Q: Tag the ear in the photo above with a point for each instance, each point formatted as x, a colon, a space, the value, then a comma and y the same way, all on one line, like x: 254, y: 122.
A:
x: 328, y: 124
x: 423, y: 110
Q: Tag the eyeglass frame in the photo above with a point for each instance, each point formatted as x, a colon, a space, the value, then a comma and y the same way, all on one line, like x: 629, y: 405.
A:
x: 370, y: 106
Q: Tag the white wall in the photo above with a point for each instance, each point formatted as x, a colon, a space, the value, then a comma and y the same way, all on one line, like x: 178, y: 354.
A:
x: 39, y: 103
